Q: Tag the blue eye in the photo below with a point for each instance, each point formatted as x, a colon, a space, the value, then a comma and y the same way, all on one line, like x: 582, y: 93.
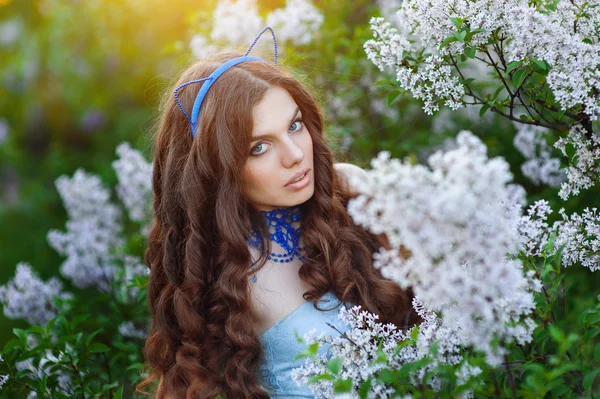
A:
x: 299, y: 122
x: 254, y: 152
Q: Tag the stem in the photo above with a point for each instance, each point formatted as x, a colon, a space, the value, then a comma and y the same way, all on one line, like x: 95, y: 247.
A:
x: 108, y: 370
x: 496, y: 110
x: 511, y: 379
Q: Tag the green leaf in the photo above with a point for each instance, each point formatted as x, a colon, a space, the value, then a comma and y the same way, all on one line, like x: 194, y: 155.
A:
x: 446, y: 42
x: 341, y: 386
x: 541, y: 64
x: 457, y: 22
x: 498, y: 90
x: 460, y: 36
x: 384, y: 83
x: 473, y: 33
x: 119, y: 393
x: 588, y: 380
x: 78, y: 320
x: 91, y: 336
x: 597, y: 353
x: 334, y: 365
x: 483, y: 109
x: 312, y: 350
x: 21, y: 334
x: 512, y: 66
x: 97, y: 347
x: 37, y: 330
x: 519, y: 77
x: 557, y: 334
x: 392, y: 96
x: 365, y: 387
x: 470, y: 52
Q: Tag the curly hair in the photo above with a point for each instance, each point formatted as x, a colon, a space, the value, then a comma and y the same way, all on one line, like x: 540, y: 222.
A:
x: 202, y: 342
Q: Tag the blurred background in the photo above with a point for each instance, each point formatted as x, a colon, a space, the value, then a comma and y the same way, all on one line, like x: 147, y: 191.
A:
x: 79, y: 77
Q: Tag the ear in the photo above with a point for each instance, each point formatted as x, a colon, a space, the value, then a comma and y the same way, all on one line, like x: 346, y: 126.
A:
x: 345, y: 170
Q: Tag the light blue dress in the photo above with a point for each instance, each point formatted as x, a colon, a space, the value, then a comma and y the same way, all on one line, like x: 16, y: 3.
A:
x: 280, y: 345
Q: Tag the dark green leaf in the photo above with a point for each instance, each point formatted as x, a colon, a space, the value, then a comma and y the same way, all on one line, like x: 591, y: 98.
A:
x: 588, y: 380
x: 97, y: 347
x: 392, y: 96
x: 518, y: 77
x: 512, y: 66
x: 363, y: 391
x: 21, y: 334
x: 78, y: 320
x: 341, y: 386
x: 91, y: 336
x: 597, y: 353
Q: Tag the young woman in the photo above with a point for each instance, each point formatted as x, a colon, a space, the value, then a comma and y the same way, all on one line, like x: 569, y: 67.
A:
x: 252, y: 242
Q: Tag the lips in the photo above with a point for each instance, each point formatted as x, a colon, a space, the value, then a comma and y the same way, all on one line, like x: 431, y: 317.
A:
x: 297, y: 175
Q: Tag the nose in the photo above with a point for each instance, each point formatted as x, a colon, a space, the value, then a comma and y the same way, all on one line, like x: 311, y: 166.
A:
x: 292, y: 153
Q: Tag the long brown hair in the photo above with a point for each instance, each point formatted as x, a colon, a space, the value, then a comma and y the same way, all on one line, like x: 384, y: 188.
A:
x: 202, y: 343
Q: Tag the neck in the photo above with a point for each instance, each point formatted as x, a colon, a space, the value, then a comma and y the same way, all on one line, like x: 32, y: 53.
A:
x: 283, y: 225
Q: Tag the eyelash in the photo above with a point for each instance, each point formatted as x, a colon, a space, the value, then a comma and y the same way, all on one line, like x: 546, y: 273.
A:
x: 299, y: 119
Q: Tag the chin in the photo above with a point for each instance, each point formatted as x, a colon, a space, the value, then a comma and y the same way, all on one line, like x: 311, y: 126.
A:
x: 299, y: 198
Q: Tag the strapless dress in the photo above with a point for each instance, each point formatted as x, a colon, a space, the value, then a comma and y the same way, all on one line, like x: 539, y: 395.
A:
x: 280, y: 345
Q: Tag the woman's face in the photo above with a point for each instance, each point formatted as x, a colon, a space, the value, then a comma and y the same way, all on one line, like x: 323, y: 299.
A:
x: 281, y: 149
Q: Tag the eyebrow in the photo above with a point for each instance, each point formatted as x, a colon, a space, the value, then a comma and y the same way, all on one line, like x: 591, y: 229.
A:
x: 264, y: 136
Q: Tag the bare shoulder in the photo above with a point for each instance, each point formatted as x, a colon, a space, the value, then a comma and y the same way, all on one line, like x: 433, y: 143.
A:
x: 346, y: 170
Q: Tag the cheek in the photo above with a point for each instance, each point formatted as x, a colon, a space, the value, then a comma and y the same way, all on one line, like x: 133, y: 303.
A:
x: 256, y: 177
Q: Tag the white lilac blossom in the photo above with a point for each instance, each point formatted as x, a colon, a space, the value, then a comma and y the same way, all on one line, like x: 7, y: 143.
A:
x: 129, y: 329
x: 297, y: 22
x: 201, y: 48
x: 3, y: 379
x: 232, y: 20
x: 388, y: 8
x: 433, y: 83
x: 132, y: 268
x: 45, y: 368
x: 93, y: 231
x: 540, y: 167
x: 533, y: 228
x: 26, y: 296
x: 579, y: 238
x: 358, y: 349
x: 565, y: 38
x: 458, y: 222
x: 582, y: 174
x: 135, y: 184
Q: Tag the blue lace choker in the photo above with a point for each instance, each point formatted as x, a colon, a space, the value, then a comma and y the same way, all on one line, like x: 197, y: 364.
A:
x: 284, y: 229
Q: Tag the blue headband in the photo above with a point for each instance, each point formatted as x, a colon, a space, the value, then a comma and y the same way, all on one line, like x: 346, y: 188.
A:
x: 214, y: 76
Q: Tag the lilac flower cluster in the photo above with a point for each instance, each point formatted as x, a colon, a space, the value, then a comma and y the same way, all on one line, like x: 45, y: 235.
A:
x: 564, y: 37
x: 296, y: 23
x: 579, y: 238
x: 92, y: 242
x: 135, y: 184
x: 458, y: 221
x: 540, y: 167
x: 93, y: 231
x: 359, y: 347
x: 583, y: 173
x: 27, y: 297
